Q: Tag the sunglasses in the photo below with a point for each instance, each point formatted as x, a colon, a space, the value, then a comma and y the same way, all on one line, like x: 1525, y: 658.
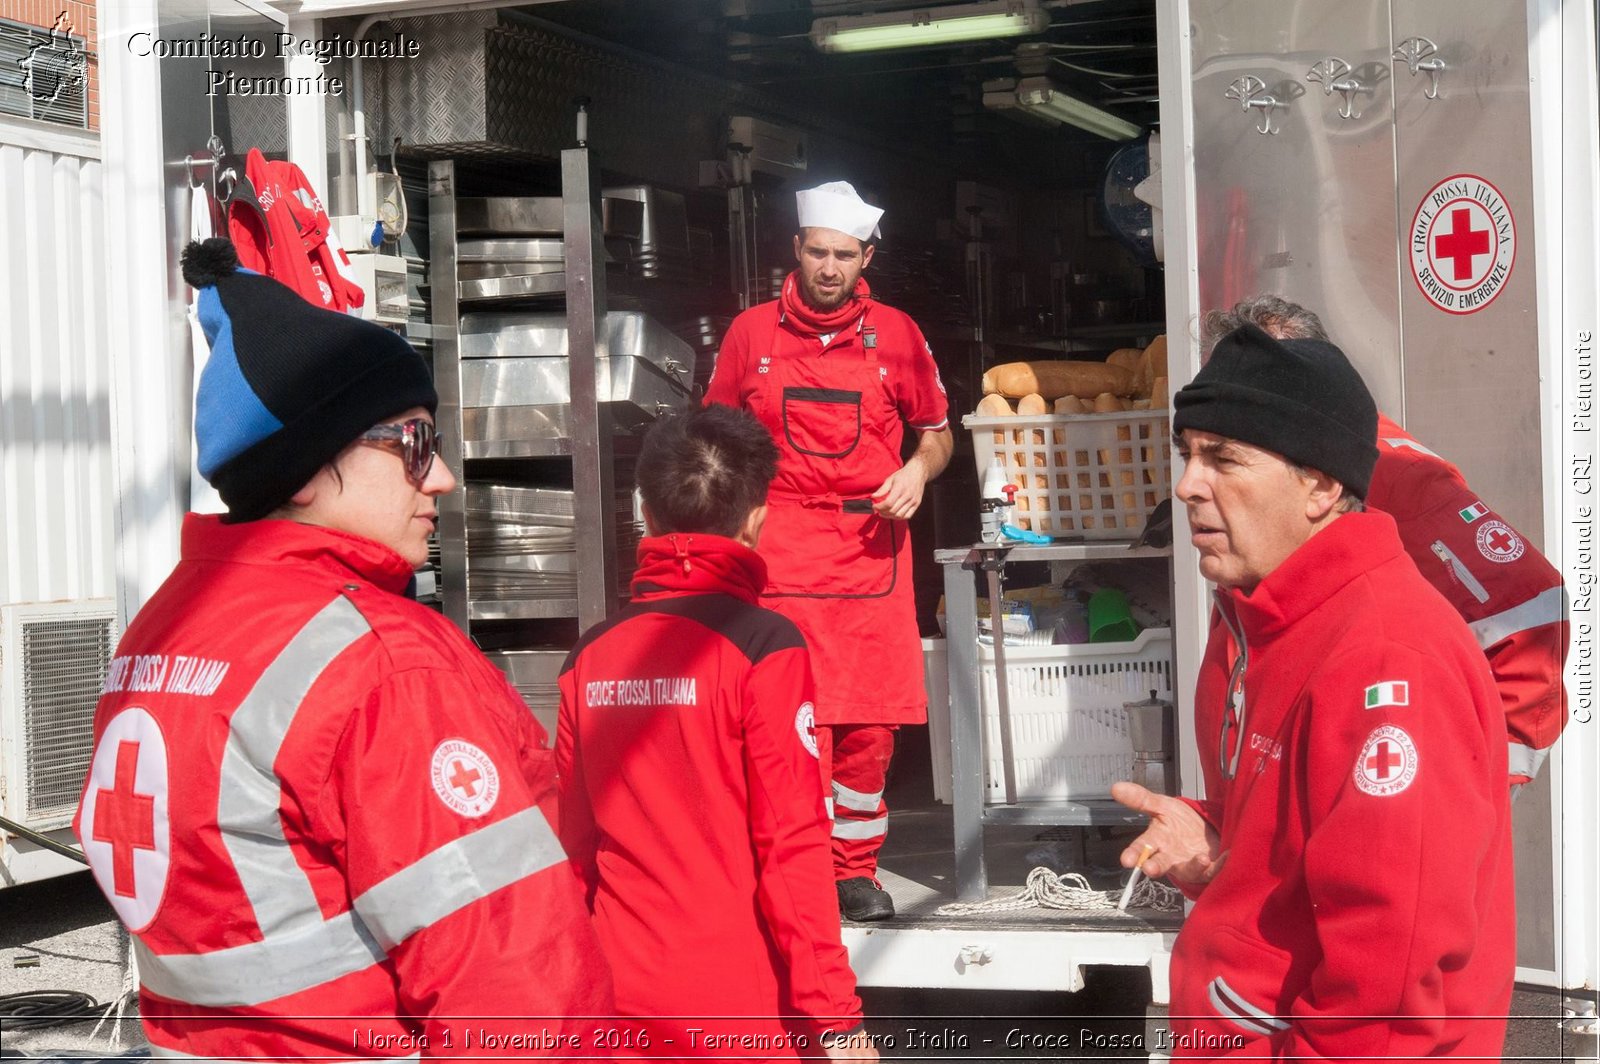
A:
x: 418, y: 440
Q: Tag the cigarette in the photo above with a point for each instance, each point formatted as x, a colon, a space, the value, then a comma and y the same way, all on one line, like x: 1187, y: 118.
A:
x: 1138, y: 870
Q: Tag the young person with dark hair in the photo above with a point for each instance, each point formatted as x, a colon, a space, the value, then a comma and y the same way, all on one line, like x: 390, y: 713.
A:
x: 691, y: 796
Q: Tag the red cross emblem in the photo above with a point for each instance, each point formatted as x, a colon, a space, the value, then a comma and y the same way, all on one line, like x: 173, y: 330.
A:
x: 1498, y: 542
x: 125, y: 819
x: 123, y: 822
x: 1387, y: 763
x: 464, y: 778
x: 1461, y: 243
x: 1384, y: 761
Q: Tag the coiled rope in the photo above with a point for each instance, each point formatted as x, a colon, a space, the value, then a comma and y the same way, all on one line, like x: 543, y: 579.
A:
x: 1070, y: 891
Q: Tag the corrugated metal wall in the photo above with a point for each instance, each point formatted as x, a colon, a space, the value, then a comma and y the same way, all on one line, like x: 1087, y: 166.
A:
x: 56, y: 484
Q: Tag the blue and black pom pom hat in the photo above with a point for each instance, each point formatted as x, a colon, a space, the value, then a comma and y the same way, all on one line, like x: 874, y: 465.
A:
x: 288, y: 385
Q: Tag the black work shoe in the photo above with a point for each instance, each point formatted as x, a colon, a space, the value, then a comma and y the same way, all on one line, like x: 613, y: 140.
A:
x: 862, y: 899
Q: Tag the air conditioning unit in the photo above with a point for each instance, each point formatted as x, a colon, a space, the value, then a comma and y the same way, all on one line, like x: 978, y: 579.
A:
x: 774, y: 149
x: 53, y: 660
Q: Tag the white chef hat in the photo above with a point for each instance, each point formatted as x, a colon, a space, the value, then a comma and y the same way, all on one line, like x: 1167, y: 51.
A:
x: 835, y: 205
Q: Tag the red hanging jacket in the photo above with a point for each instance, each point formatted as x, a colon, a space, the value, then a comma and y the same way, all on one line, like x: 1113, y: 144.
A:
x: 692, y: 805
x: 287, y: 238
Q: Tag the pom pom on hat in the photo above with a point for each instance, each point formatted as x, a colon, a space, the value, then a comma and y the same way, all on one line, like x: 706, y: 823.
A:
x: 288, y: 385
x: 207, y: 262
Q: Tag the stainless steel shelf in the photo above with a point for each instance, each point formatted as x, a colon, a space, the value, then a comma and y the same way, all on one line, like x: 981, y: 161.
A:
x: 522, y: 609
x: 1111, y: 550
x: 1088, y: 812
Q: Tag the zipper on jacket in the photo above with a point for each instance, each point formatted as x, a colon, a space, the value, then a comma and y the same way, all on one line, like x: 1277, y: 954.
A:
x: 1459, y: 568
x: 1234, y: 710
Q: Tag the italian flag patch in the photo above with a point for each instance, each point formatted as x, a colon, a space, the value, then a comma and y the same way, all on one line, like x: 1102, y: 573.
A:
x: 1388, y: 693
x: 1473, y: 512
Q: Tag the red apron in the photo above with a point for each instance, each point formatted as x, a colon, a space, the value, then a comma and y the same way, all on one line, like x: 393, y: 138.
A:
x: 838, y: 570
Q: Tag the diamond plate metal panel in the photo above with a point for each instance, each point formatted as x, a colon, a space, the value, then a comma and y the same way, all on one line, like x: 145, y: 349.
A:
x: 439, y: 97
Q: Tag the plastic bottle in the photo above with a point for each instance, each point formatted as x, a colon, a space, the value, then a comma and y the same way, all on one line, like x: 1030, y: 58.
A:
x: 993, y: 500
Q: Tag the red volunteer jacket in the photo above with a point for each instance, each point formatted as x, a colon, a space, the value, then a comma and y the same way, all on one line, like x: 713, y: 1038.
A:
x: 691, y: 803
x: 1365, y: 908
x: 1508, y: 593
x: 290, y: 239
x: 837, y: 412
x: 326, y: 817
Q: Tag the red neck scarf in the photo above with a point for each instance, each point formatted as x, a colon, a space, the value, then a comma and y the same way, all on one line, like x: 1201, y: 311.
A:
x: 822, y: 322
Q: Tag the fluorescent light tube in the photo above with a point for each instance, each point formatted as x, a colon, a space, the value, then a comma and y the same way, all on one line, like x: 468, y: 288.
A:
x: 1040, y: 97
x: 955, y: 24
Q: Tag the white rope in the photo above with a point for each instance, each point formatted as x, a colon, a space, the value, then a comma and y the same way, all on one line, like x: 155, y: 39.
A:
x: 1047, y: 890
x: 116, y: 1011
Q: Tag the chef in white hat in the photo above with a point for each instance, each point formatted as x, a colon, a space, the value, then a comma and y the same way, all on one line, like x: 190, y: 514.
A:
x: 837, y: 377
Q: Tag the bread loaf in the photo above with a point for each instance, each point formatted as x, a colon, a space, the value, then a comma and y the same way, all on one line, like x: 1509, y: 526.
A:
x: 1052, y: 380
x: 1153, y: 364
x: 994, y: 406
x: 1032, y: 405
x: 1106, y: 403
x: 1069, y: 404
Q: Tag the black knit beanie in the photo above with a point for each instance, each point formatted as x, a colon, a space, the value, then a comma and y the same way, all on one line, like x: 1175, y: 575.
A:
x: 288, y: 385
x: 1300, y: 398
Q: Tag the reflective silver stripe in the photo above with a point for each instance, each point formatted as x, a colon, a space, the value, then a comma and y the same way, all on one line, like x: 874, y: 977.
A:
x: 250, y: 791
x: 828, y: 803
x: 1398, y: 442
x: 1547, y: 607
x: 1233, y: 1007
x: 163, y: 1053
x: 1524, y: 760
x: 258, y: 972
x: 860, y: 829
x: 458, y: 874
x: 861, y: 803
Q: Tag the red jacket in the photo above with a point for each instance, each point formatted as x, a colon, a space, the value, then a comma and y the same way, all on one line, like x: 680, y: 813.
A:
x: 1509, y: 594
x: 288, y: 238
x: 313, y: 801
x: 838, y: 412
x: 1365, y: 907
x: 691, y: 802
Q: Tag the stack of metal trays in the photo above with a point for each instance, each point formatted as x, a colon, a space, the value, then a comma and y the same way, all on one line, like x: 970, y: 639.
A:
x: 535, y: 673
x: 522, y: 549
x: 511, y: 267
x: 704, y: 334
x: 662, y: 251
x: 515, y: 383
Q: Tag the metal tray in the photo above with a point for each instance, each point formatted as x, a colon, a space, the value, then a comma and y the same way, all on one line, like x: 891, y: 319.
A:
x: 625, y: 333
x: 512, y: 399
x: 522, y: 286
x: 521, y: 215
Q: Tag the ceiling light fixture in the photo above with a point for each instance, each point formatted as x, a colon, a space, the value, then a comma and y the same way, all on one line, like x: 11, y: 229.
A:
x: 1040, y: 97
x: 955, y: 24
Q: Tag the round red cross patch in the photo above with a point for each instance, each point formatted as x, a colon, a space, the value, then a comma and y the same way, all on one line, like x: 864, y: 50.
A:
x: 123, y: 823
x: 1499, y: 542
x: 805, y: 725
x: 1387, y: 763
x: 1462, y: 244
x: 464, y: 778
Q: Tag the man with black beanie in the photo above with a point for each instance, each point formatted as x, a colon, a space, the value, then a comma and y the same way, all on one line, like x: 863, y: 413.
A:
x: 1351, y: 863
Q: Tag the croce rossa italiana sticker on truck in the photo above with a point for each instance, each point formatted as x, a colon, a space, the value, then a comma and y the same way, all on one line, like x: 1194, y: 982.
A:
x: 1463, y: 244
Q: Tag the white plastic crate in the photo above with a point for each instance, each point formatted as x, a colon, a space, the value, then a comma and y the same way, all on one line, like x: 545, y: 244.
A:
x: 1095, y: 476
x: 1069, y: 732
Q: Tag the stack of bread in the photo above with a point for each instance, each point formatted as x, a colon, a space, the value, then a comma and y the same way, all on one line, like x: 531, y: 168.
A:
x: 1129, y: 379
x: 1100, y: 481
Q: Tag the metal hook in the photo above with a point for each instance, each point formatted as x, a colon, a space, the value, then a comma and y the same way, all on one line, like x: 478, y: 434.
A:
x: 1247, y: 89
x: 1331, y: 72
x: 1419, y: 54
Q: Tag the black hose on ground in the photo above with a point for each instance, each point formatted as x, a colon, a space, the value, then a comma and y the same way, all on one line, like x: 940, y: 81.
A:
x: 37, y: 1009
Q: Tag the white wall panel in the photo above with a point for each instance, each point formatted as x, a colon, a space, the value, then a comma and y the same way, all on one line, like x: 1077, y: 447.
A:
x: 56, y: 484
